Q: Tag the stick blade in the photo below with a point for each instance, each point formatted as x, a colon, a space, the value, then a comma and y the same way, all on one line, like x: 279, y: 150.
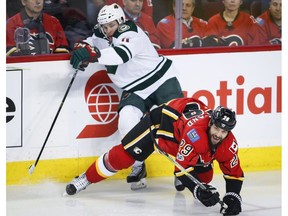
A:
x: 31, y: 169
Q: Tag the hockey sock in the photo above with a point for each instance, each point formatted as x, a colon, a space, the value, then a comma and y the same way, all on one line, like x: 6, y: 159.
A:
x: 108, y: 164
x: 98, y: 170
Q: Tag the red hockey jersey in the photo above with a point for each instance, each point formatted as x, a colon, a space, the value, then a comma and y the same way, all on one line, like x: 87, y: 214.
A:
x: 244, y: 30
x: 166, y: 30
x: 271, y: 31
x: 52, y: 27
x: 190, y: 132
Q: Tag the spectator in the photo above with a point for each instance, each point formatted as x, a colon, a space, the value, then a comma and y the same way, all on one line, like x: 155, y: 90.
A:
x: 193, y: 28
x: 191, y: 132
x: 132, y: 10
x: 232, y: 27
x: 147, y: 5
x: 32, y: 32
x: 271, y: 23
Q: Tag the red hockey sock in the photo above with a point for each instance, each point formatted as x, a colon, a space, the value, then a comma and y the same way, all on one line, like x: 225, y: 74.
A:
x: 108, y: 164
x: 98, y: 171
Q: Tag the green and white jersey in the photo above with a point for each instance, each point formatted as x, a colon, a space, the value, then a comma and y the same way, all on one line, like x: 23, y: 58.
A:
x: 132, y: 62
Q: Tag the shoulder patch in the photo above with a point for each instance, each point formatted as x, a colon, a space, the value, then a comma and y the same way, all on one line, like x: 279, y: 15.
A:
x: 123, y: 28
x: 126, y: 27
x: 193, y: 135
x: 260, y: 21
x: 164, y: 20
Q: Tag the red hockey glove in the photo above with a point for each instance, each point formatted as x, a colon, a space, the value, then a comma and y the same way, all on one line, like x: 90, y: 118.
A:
x: 83, y: 54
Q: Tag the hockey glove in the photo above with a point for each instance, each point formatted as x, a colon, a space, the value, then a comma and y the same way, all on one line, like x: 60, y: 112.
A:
x: 233, y: 202
x: 83, y: 54
x: 209, y: 197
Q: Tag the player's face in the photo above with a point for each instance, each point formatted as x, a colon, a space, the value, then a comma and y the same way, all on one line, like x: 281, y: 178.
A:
x: 276, y: 9
x: 33, y: 7
x: 110, y: 28
x: 232, y: 5
x: 134, y: 7
x: 216, y: 134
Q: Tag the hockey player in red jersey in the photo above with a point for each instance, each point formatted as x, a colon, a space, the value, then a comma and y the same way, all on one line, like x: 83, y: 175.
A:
x: 32, y: 32
x: 191, y: 132
x: 271, y: 23
x: 233, y: 27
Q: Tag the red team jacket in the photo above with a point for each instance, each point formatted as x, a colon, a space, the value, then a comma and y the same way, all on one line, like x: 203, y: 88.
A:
x: 271, y: 31
x: 54, y: 32
x: 166, y: 30
x: 192, y: 147
x: 244, y: 30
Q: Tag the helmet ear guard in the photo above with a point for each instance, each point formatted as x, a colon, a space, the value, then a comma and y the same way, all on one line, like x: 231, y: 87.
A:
x: 224, y: 118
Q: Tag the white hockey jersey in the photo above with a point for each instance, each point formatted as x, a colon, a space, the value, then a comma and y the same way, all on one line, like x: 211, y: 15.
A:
x: 131, y: 61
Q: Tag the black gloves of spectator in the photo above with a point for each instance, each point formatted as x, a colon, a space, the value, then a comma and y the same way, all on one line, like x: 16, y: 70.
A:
x: 193, y: 41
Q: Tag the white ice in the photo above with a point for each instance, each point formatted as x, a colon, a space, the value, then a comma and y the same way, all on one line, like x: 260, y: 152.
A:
x: 261, y: 194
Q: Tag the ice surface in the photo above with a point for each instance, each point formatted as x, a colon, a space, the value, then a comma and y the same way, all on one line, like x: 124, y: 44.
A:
x: 261, y: 194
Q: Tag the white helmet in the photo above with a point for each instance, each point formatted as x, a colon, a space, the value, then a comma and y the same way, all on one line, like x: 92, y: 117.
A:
x: 110, y: 13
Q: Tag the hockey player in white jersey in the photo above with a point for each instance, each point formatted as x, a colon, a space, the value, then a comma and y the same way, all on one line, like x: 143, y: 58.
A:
x: 132, y: 64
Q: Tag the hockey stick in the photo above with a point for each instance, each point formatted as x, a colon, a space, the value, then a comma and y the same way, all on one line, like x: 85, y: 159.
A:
x: 182, y: 169
x: 33, y: 166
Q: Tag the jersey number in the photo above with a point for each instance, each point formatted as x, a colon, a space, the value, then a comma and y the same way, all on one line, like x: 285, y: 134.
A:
x: 186, y: 150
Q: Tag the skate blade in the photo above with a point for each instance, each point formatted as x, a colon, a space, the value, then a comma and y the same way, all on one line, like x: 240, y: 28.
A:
x: 139, y: 185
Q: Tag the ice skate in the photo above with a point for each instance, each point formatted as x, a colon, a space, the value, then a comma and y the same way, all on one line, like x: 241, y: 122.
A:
x: 178, y: 184
x: 78, y: 184
x: 137, y: 178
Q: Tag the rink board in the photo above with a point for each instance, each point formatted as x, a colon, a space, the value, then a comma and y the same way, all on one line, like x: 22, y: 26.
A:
x: 63, y: 170
x: 248, y: 82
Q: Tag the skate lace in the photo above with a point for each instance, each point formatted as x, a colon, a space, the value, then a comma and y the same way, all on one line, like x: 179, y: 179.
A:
x: 81, y: 182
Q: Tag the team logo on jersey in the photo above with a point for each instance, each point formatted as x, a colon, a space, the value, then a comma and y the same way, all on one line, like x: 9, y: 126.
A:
x: 193, y: 135
x: 123, y: 28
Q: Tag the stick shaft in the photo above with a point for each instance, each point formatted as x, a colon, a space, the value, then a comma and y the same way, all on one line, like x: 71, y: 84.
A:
x: 55, y: 118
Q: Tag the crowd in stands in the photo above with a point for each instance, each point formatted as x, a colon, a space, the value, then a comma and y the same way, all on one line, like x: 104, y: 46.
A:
x: 56, y: 25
